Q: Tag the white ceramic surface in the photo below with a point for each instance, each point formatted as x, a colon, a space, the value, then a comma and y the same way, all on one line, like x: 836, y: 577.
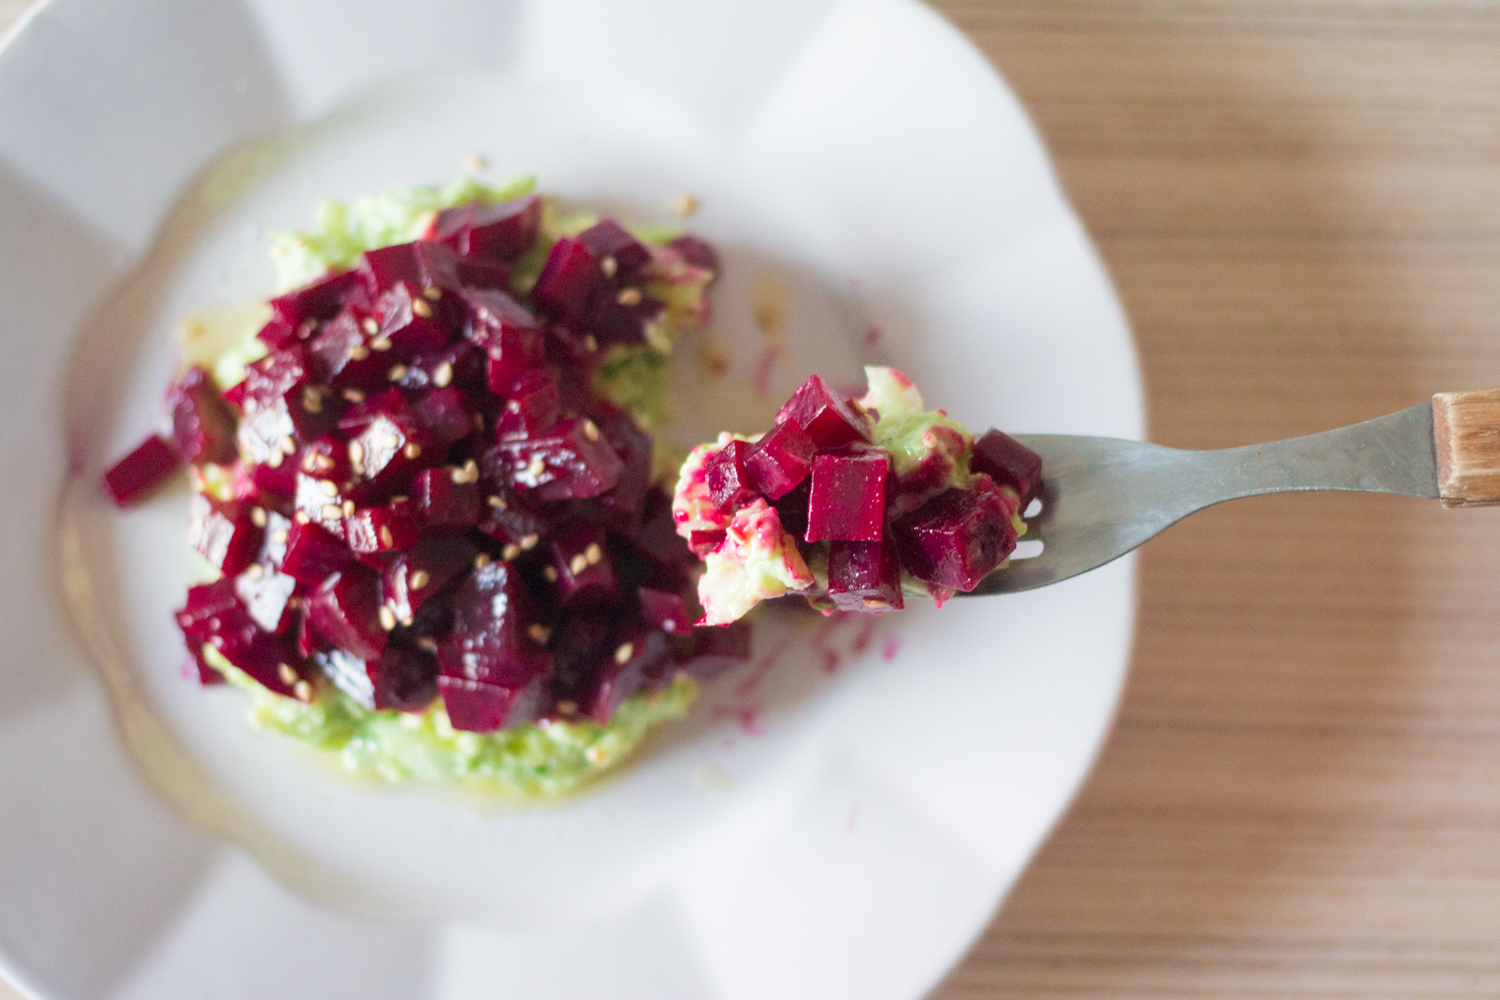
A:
x: 839, y: 821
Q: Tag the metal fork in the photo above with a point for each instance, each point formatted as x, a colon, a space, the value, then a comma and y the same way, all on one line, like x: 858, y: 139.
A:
x: 1102, y: 497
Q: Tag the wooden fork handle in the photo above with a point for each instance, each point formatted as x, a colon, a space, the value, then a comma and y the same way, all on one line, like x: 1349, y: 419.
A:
x: 1466, y: 433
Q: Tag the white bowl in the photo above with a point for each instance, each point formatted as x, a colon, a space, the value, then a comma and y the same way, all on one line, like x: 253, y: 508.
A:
x: 840, y: 822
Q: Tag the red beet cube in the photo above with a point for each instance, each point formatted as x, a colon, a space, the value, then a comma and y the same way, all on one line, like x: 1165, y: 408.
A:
x: 607, y: 238
x: 511, y: 521
x: 511, y: 336
x: 707, y: 651
x: 500, y: 232
x: 346, y: 610
x: 535, y: 404
x: 779, y: 461
x: 410, y: 323
x: 624, y: 503
x: 494, y: 640
x: 704, y: 542
x: 829, y: 419
x: 619, y: 318
x: 665, y: 611
x: 392, y: 448
x: 422, y: 571
x: 421, y: 264
x: 847, y: 500
x: 477, y: 707
x: 581, y: 568
x: 1009, y: 463
x: 380, y: 530
x: 267, y: 596
x: 638, y: 654
x: 278, y: 483
x: 791, y: 508
x: 347, y: 672
x: 320, y: 502
x: 446, y: 415
x: 317, y: 300
x: 202, y: 422
x: 570, y: 461
x: 223, y: 533
x: 725, y: 473
x: 570, y: 282
x: 327, y: 458
x: 957, y: 538
x: 214, y: 616
x: 277, y: 333
x: 313, y: 554
x: 696, y: 252
x: 864, y: 576
x: 403, y: 680
x: 141, y: 471
x: 446, y: 498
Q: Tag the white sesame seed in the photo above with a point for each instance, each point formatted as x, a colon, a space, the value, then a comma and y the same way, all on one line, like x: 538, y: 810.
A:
x: 420, y: 579
x: 329, y: 488
x: 303, y: 691
x: 529, y: 542
x: 578, y: 564
x: 359, y: 352
x: 536, y: 468
x: 629, y: 297
x: 609, y: 266
x: 567, y: 706
x: 591, y: 342
x: 625, y: 652
x: 482, y: 560
x: 370, y: 325
x: 387, y: 617
x: 539, y: 633
x: 510, y: 552
x: 258, y: 516
x: 348, y: 508
x: 421, y: 308
x: 590, y: 431
x: 255, y: 571
x: 356, y: 452
x: 442, y: 375
x: 380, y: 344
x: 550, y: 572
x: 593, y: 554
x: 595, y: 755
x: 386, y: 538
x: 875, y: 602
x: 301, y: 517
x: 275, y: 459
x: 432, y: 293
x: 412, y: 451
x: 684, y: 204
x: 498, y: 503
x: 354, y: 395
x: 474, y: 162
x: 332, y: 512
x: 397, y: 373
x: 287, y: 444
x: 286, y: 673
x: 428, y: 644
x: 279, y: 536
x: 312, y: 400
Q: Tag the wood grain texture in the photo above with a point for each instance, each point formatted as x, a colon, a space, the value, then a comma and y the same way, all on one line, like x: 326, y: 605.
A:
x: 1466, y: 432
x: 1299, y: 201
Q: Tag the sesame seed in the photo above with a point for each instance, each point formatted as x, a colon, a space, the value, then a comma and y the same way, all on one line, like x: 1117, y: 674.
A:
x: 498, y: 503
x: 412, y: 450
x: 258, y: 516
x: 539, y: 633
x: 391, y: 441
x: 301, y: 517
x: 510, y: 551
x: 380, y: 344
x: 279, y: 536
x: 536, y: 468
x: 329, y: 488
x: 567, y: 706
x: 629, y: 297
x: 359, y: 352
x: 428, y: 644
x: 287, y: 444
x: 625, y: 652
x: 591, y: 342
x: 369, y: 324
x: 420, y: 579
x: 609, y: 266
x: 255, y: 571
x: 593, y: 554
x: 332, y: 512
x: 595, y: 754
x: 578, y: 564
x: 400, y: 500
x: 474, y: 162
x: 482, y: 560
x: 312, y: 400
x: 286, y: 673
x: 386, y: 538
x: 348, y: 508
x: 590, y: 431
x: 421, y: 308
x: 274, y: 459
x: 310, y: 462
x: 684, y: 204
x: 432, y: 293
x: 356, y: 452
x: 479, y: 421
x: 550, y: 572
x: 302, y: 690
x: 397, y: 373
x: 442, y: 375
x: 875, y: 602
x: 529, y: 542
x: 354, y: 395
x: 387, y: 617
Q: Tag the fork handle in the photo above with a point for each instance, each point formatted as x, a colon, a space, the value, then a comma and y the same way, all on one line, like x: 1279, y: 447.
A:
x: 1466, y: 433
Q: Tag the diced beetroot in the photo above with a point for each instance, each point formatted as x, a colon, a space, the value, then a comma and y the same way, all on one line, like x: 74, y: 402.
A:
x: 422, y: 571
x: 725, y: 473
x: 214, y: 616
x: 320, y: 502
x: 141, y: 471
x: 382, y: 530
x: 512, y: 521
x: 829, y: 419
x: 581, y: 568
x: 511, y: 336
x: 446, y: 498
x: 392, y: 448
x: 283, y: 402
x: 637, y: 655
x: 421, y: 264
x: 847, y: 500
x: 348, y: 673
x: 864, y: 576
x: 957, y: 538
x: 267, y: 596
x: 707, y: 651
x: 412, y: 324
x: 665, y: 611
x: 345, y: 609
x: 607, y: 238
x: 477, y: 707
x: 328, y: 458
x: 277, y: 537
x: 623, y: 316
x: 313, y: 554
x: 204, y: 602
x: 570, y: 282
x: 202, y: 422
x: 446, y: 415
x: 535, y: 404
x: 493, y: 641
x: 696, y: 253
x: 276, y: 333
x: 278, y: 481
x: 570, y: 461
x: 779, y: 461
x: 579, y: 647
x: 222, y: 533
x: 624, y: 503
x: 462, y: 363
x: 341, y: 350
x: 500, y: 232
x: 476, y: 272
x: 318, y: 300
x: 704, y: 542
x: 791, y: 508
x: 943, y: 450
x: 1009, y: 463
x: 403, y: 680
x: 657, y: 536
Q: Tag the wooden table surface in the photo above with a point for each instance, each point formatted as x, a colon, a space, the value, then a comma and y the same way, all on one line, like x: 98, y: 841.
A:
x: 1300, y: 205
